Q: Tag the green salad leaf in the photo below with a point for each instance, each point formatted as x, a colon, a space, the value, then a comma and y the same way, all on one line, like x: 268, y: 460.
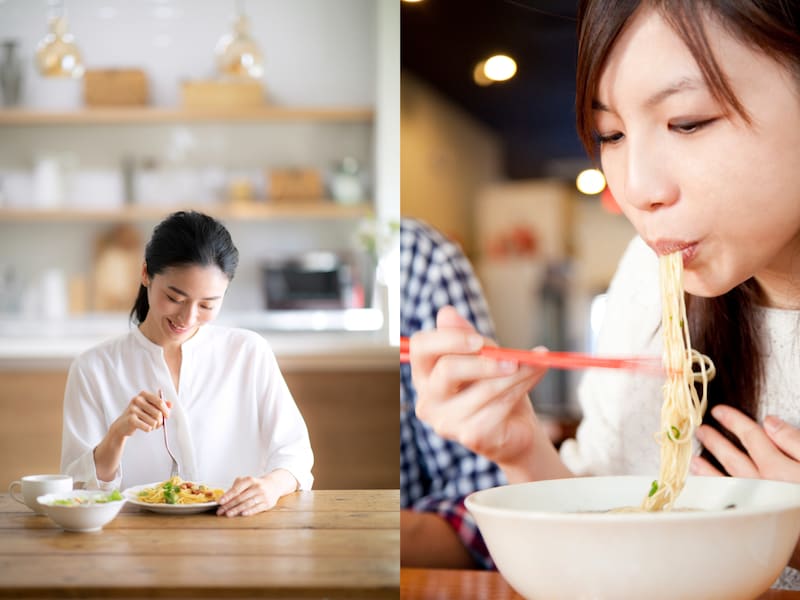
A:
x: 170, y: 493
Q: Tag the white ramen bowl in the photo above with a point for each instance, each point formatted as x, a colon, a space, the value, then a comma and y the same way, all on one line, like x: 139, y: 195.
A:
x: 548, y: 547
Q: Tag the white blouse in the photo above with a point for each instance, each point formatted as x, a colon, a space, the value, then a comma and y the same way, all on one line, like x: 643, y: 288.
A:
x: 233, y: 415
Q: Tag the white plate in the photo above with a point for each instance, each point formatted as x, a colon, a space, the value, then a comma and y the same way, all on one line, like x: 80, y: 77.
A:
x: 132, y: 495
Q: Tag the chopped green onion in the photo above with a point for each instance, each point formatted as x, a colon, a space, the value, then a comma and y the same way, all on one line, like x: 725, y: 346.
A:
x: 674, y: 432
x: 653, y: 489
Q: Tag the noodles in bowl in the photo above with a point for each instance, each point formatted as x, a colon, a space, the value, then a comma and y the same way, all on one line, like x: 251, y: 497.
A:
x: 555, y: 539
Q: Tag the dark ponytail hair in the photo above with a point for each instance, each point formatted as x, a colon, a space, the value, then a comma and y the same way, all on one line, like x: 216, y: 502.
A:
x: 182, y: 239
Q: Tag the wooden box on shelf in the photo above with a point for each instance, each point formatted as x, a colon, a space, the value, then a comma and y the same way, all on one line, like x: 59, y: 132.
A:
x: 295, y: 185
x: 222, y: 93
x: 115, y: 87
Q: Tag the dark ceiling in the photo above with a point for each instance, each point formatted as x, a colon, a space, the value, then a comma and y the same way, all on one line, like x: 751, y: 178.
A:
x: 533, y: 113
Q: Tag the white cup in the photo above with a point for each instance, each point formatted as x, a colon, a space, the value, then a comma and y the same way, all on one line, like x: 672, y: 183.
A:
x: 33, y: 486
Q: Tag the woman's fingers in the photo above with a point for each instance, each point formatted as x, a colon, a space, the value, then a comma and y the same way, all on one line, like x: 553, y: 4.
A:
x: 480, y: 417
x: 472, y: 399
x: 453, y: 373
x: 771, y: 450
x: 767, y: 454
x: 146, y: 411
x: 502, y: 431
x: 735, y: 462
x: 450, y: 397
x: 700, y: 466
x: 247, y: 496
x: 785, y: 437
x: 427, y: 347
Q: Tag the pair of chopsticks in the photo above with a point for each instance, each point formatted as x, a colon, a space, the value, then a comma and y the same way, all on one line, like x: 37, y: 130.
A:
x: 560, y: 360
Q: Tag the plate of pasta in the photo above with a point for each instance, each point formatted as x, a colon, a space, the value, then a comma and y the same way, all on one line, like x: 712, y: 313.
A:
x: 174, y: 496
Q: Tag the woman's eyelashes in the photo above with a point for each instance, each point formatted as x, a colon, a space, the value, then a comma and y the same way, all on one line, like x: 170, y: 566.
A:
x: 176, y: 301
x: 681, y: 126
x: 608, y: 138
x: 690, y: 126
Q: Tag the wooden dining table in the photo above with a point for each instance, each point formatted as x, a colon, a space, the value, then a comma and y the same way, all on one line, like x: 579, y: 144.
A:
x: 446, y: 584
x: 316, y: 544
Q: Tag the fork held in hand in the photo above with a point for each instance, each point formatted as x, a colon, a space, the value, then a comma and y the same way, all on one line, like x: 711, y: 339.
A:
x: 175, y: 470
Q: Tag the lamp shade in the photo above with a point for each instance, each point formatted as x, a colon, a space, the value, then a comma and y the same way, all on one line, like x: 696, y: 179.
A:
x: 237, y: 53
x: 57, y: 55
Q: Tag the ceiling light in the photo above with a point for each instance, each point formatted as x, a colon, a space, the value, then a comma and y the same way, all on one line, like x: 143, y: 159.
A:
x: 57, y: 55
x: 238, y: 54
x: 500, y: 67
x: 479, y: 75
x: 590, y: 182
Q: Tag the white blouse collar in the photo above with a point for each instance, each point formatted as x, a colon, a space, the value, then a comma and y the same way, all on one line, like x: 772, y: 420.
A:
x: 154, y: 348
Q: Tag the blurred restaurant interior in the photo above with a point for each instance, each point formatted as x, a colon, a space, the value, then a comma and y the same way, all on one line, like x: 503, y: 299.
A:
x: 493, y: 164
x: 133, y: 110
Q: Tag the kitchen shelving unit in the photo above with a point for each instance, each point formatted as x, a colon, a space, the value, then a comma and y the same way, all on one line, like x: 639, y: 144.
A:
x: 139, y: 115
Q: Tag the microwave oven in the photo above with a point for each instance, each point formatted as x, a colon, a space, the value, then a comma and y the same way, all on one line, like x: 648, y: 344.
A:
x: 309, y: 281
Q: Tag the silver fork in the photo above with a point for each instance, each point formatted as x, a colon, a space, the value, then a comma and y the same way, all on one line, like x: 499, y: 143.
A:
x: 175, y: 470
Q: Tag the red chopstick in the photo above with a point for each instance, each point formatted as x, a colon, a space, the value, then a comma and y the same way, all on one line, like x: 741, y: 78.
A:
x: 560, y: 360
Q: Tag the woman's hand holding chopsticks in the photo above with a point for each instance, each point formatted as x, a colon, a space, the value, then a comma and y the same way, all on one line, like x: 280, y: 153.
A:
x: 480, y: 402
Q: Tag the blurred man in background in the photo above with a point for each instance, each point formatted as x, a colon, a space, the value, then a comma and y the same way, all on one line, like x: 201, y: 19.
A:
x: 436, y: 530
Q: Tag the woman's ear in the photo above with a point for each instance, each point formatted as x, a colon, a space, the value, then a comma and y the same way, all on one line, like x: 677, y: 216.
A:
x: 145, y: 278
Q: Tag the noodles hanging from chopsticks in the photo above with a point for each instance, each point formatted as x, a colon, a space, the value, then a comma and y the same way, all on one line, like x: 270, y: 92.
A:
x: 683, y: 408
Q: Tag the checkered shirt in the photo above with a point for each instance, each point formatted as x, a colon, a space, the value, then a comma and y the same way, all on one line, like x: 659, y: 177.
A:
x: 437, y: 474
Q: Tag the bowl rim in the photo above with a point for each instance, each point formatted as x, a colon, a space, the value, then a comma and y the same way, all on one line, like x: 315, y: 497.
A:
x: 475, y: 503
x: 48, y: 500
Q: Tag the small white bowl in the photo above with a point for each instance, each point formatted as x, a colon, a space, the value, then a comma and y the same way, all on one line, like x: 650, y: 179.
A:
x: 547, y: 546
x: 87, y: 516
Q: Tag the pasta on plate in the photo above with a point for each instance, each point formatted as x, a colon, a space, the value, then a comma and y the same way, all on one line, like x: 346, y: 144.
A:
x: 177, y: 491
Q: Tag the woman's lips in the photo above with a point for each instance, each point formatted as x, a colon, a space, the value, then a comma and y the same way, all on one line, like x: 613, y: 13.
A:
x: 176, y: 329
x: 687, y: 249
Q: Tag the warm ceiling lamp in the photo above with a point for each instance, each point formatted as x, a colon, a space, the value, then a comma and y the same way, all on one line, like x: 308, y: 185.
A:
x: 57, y: 55
x: 494, y: 69
x: 500, y: 67
x: 238, y: 54
x: 590, y: 182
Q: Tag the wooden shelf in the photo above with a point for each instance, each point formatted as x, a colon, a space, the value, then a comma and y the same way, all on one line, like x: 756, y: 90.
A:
x: 139, y: 115
x: 317, y: 209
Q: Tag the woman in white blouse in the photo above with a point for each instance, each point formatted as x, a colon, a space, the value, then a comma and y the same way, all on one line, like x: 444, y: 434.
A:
x: 230, y: 417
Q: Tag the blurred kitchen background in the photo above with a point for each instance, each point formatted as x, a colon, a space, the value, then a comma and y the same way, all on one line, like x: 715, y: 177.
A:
x: 493, y: 164
x: 279, y: 118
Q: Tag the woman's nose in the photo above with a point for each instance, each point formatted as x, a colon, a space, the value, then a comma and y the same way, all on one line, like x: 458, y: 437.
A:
x: 188, y: 314
x: 649, y: 184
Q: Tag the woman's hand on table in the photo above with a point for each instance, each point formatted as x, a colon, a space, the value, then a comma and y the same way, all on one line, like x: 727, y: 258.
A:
x: 474, y: 400
x: 251, y: 495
